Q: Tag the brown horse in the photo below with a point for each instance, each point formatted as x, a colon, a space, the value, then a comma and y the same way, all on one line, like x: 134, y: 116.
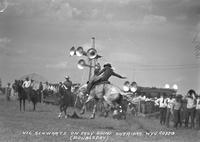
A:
x: 17, y: 86
x: 22, y: 95
x: 66, y: 100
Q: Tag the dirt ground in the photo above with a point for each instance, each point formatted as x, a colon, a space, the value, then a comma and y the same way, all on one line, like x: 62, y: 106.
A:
x: 43, y: 125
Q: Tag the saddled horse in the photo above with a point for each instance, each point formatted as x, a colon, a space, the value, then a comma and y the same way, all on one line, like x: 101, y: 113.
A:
x: 22, y: 94
x: 35, y: 94
x: 66, y: 100
x: 17, y: 87
x: 107, y: 93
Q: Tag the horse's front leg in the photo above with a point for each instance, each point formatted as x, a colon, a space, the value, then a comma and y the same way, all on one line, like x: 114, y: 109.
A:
x: 94, y: 111
x: 20, y: 104
x: 76, y: 100
x: 34, y: 104
x: 65, y: 111
x: 106, y: 109
x: 24, y: 101
x: 85, y: 103
x: 60, y: 113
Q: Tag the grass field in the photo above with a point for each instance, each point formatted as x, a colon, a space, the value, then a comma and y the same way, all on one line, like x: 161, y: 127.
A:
x: 44, y: 126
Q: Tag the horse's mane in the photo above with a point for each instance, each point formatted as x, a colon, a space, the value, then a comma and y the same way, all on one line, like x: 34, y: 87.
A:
x: 82, y: 88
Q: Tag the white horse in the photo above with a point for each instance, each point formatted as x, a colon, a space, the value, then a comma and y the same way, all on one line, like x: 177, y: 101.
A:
x: 109, y: 94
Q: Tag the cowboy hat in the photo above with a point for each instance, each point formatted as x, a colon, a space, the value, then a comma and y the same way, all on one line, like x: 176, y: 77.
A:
x: 107, y: 65
x: 66, y: 77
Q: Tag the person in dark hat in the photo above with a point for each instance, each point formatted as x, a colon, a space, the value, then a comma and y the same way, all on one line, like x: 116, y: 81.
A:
x: 103, y: 75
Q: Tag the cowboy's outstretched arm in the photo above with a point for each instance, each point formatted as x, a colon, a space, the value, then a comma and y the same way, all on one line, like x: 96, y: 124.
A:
x: 117, y: 75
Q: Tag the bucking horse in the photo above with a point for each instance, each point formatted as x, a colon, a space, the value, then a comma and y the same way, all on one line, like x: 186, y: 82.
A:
x: 110, y: 95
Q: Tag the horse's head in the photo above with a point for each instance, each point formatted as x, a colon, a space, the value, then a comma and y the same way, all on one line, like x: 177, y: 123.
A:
x: 82, y: 88
x: 16, y: 85
x: 81, y: 92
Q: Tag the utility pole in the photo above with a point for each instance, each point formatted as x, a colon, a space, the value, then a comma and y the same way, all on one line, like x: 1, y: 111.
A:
x: 196, y: 42
x: 90, y: 60
x: 91, y: 55
x: 0, y: 83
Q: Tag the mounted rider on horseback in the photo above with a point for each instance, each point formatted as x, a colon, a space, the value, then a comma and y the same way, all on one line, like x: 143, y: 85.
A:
x: 66, y: 99
x: 102, y: 76
x: 99, y: 89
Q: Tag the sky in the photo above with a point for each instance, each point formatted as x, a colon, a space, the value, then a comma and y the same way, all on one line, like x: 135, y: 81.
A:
x: 152, y: 42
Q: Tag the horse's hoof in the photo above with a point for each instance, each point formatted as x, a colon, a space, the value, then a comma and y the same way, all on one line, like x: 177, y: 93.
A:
x: 105, y: 115
x: 92, y: 117
x: 82, y: 112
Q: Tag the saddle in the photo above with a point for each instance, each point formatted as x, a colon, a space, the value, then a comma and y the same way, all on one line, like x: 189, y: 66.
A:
x: 99, y: 83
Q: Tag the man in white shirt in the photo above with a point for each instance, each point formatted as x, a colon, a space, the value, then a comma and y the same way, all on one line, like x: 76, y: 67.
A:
x: 169, y: 102
x: 161, y: 102
x: 190, y: 111
x: 26, y: 85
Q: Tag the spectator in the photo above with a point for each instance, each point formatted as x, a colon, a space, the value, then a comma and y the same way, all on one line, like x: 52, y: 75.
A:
x: 46, y: 90
x: 27, y: 88
x: 176, y: 110
x: 40, y: 92
x: 34, y: 85
x: 162, y: 107
x: 8, y: 92
x: 169, y: 102
x: 190, y: 110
